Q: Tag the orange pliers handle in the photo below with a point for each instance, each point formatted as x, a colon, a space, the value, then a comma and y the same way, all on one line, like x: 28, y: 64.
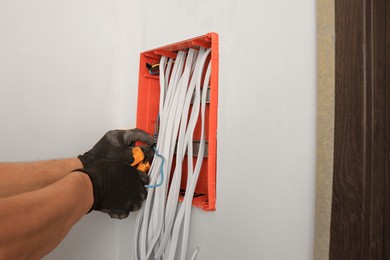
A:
x: 139, y: 157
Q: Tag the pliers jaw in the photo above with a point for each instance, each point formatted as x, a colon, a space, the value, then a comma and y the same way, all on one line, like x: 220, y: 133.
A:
x: 149, y: 152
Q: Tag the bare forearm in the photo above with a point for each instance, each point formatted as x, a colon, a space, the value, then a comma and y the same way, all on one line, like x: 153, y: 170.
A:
x: 32, y: 224
x: 17, y: 178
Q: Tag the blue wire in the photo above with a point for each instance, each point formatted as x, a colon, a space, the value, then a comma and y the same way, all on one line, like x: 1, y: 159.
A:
x: 161, y: 171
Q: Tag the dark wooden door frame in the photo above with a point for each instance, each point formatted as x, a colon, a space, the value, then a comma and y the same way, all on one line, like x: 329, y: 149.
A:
x: 360, y: 224
x: 386, y: 242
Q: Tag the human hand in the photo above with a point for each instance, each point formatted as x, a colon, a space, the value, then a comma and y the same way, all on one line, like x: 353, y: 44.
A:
x: 118, y: 188
x: 116, y: 145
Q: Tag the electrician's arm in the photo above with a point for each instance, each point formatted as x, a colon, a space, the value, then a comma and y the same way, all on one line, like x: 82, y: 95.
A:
x: 17, y: 178
x: 33, y: 224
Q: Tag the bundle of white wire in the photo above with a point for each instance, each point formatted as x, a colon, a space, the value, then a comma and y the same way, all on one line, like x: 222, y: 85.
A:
x: 159, y: 223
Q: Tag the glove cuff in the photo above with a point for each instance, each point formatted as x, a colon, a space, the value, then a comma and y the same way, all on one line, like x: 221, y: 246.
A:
x: 95, y: 191
x: 86, y: 159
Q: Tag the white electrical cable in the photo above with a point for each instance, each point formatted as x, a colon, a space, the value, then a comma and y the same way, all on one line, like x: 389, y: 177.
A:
x: 182, y: 87
x: 191, y: 183
x: 172, y: 200
x: 167, y: 131
x: 195, y: 253
x: 192, y: 180
x: 159, y: 221
x: 143, y: 233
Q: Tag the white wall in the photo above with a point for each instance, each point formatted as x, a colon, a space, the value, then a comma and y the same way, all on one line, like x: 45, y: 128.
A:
x: 265, y: 195
x: 62, y: 68
x: 69, y: 72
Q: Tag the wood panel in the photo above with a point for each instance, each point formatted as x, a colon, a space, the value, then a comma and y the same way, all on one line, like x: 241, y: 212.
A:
x: 376, y: 110
x: 357, y: 226
x: 387, y: 141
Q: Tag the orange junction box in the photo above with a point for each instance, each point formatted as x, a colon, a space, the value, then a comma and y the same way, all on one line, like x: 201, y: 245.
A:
x: 148, y: 109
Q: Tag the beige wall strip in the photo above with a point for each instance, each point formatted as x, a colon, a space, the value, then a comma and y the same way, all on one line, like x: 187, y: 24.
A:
x: 325, y: 125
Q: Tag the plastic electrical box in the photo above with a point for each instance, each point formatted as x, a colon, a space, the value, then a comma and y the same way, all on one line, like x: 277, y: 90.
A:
x: 148, y: 106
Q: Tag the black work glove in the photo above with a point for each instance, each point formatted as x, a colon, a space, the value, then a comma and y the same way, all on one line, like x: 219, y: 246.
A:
x: 116, y: 145
x: 118, y: 188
